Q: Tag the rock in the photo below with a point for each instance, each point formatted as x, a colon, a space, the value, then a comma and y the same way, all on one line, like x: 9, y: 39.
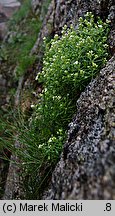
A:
x: 46, y: 30
x: 3, y: 30
x: 2, y: 90
x: 36, y: 6
x: 7, y: 8
x: 4, y: 165
x: 13, y: 189
x: 86, y: 169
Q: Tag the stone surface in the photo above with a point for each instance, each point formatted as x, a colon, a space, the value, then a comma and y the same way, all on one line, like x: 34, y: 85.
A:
x: 12, y: 188
x: 7, y: 8
x: 36, y: 5
x: 2, y: 89
x: 10, y: 3
x: 86, y: 169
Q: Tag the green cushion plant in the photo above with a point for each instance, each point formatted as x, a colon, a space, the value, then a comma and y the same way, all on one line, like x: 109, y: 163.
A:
x: 70, y: 62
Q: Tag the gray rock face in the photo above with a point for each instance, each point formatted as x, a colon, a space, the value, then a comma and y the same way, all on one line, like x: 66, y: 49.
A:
x: 2, y: 89
x: 86, y: 169
x: 36, y: 5
x: 7, y: 8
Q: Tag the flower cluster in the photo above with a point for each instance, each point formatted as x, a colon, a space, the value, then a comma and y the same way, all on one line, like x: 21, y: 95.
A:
x: 70, y: 62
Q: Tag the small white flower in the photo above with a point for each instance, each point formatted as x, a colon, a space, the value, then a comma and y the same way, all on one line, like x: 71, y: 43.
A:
x: 45, y: 90
x: 76, y: 75
x: 71, y: 36
x: 59, y: 97
x: 100, y: 26
x: 32, y: 105
x: 76, y: 62
x: 94, y: 65
x: 50, y: 140
x: 56, y: 36
x: 82, y: 72
x: 36, y: 77
x: 105, y: 45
